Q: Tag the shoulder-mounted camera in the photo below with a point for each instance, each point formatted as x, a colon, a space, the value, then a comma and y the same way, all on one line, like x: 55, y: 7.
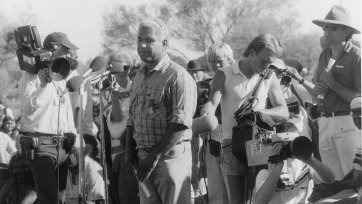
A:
x: 32, y: 56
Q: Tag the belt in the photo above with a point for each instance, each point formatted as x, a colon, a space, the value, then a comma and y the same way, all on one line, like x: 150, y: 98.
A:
x: 334, y: 114
x: 149, y: 149
x: 39, y: 134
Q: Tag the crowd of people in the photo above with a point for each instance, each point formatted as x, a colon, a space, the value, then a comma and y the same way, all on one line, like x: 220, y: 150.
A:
x: 135, y: 143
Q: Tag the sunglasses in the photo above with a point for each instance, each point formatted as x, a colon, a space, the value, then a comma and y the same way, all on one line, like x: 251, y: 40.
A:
x: 333, y: 28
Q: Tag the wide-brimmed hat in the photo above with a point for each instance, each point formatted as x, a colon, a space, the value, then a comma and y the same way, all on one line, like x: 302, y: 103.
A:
x: 60, y: 39
x: 339, y: 16
x: 194, y: 66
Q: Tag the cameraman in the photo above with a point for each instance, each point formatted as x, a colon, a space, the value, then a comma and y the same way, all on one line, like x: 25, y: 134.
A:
x: 46, y: 115
x: 282, y: 184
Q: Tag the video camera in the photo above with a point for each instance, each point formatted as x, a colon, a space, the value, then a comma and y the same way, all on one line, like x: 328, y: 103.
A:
x: 32, y: 56
x: 257, y: 149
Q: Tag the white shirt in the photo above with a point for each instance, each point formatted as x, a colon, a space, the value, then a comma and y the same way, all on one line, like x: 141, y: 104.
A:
x: 300, y: 120
x: 237, y: 88
x: 295, y: 173
x: 41, y: 107
x: 93, y: 182
x: 7, y: 148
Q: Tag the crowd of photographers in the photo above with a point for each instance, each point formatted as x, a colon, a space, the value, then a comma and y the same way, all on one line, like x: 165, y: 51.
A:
x: 262, y: 139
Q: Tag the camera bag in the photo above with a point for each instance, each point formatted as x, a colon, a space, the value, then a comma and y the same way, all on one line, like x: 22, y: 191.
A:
x: 246, y: 130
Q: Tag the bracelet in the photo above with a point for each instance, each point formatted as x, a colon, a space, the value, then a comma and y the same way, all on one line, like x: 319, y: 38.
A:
x: 301, y: 81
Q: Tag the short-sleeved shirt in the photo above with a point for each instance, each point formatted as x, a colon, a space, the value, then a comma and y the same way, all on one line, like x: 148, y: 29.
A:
x: 238, y: 88
x: 293, y: 185
x: 166, y: 94
x: 346, y: 71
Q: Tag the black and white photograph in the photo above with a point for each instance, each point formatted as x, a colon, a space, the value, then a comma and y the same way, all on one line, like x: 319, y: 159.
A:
x: 180, y: 102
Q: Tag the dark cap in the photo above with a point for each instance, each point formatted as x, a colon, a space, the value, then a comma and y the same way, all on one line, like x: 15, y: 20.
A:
x: 59, y: 39
x: 194, y: 66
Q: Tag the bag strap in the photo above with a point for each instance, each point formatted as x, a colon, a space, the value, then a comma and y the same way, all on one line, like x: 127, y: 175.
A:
x: 292, y: 88
x: 264, y: 75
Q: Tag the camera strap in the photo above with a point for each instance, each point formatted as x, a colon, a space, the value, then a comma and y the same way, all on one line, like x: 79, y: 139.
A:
x: 248, y: 104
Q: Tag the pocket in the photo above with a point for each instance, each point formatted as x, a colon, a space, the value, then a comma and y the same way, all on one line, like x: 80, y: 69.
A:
x: 154, y: 101
x: 176, y: 151
x: 346, y: 123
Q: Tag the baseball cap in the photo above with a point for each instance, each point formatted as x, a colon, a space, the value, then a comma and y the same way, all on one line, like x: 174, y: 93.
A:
x: 60, y: 39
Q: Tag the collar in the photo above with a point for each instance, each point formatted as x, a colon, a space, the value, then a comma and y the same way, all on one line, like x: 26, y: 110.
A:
x: 160, y: 65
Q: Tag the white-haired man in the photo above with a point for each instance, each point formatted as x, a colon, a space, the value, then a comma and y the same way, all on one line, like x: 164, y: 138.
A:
x: 162, y: 105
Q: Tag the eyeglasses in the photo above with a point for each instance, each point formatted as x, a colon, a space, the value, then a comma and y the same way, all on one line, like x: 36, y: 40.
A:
x: 333, y: 28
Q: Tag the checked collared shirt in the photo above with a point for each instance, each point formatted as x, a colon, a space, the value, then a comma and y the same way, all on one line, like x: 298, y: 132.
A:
x: 166, y: 94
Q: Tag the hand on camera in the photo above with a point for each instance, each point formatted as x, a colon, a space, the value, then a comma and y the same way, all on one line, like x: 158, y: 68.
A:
x: 43, y: 75
x: 291, y: 71
x: 275, y: 158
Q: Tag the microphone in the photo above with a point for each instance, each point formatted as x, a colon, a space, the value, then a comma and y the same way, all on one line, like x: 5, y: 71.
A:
x: 204, y: 123
x: 99, y: 63
x: 74, y: 83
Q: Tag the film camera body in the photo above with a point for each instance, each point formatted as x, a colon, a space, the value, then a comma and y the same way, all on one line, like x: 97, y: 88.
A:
x: 257, y: 149
x: 32, y: 56
x: 285, y: 78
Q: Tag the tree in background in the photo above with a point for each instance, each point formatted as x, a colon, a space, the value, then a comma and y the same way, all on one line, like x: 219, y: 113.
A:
x: 196, y: 24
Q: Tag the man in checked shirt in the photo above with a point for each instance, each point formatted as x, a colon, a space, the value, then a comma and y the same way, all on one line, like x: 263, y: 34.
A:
x: 162, y: 105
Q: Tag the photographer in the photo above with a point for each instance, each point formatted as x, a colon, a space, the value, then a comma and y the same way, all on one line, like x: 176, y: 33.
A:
x: 231, y: 87
x: 281, y: 183
x: 47, y: 123
x: 123, y: 183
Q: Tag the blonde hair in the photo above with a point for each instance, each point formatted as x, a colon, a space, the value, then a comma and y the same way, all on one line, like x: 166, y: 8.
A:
x: 222, y: 50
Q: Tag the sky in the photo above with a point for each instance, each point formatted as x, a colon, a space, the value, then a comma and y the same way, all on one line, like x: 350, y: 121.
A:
x: 82, y: 20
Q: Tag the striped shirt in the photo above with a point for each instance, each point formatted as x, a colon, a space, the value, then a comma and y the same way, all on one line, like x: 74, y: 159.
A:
x: 166, y: 94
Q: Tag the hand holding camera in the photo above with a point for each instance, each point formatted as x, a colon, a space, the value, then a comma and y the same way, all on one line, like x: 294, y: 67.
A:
x: 43, y: 75
x: 291, y: 71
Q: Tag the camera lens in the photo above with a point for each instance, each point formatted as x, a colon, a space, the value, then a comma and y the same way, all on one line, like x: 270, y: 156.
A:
x: 286, y: 79
x: 302, y: 147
